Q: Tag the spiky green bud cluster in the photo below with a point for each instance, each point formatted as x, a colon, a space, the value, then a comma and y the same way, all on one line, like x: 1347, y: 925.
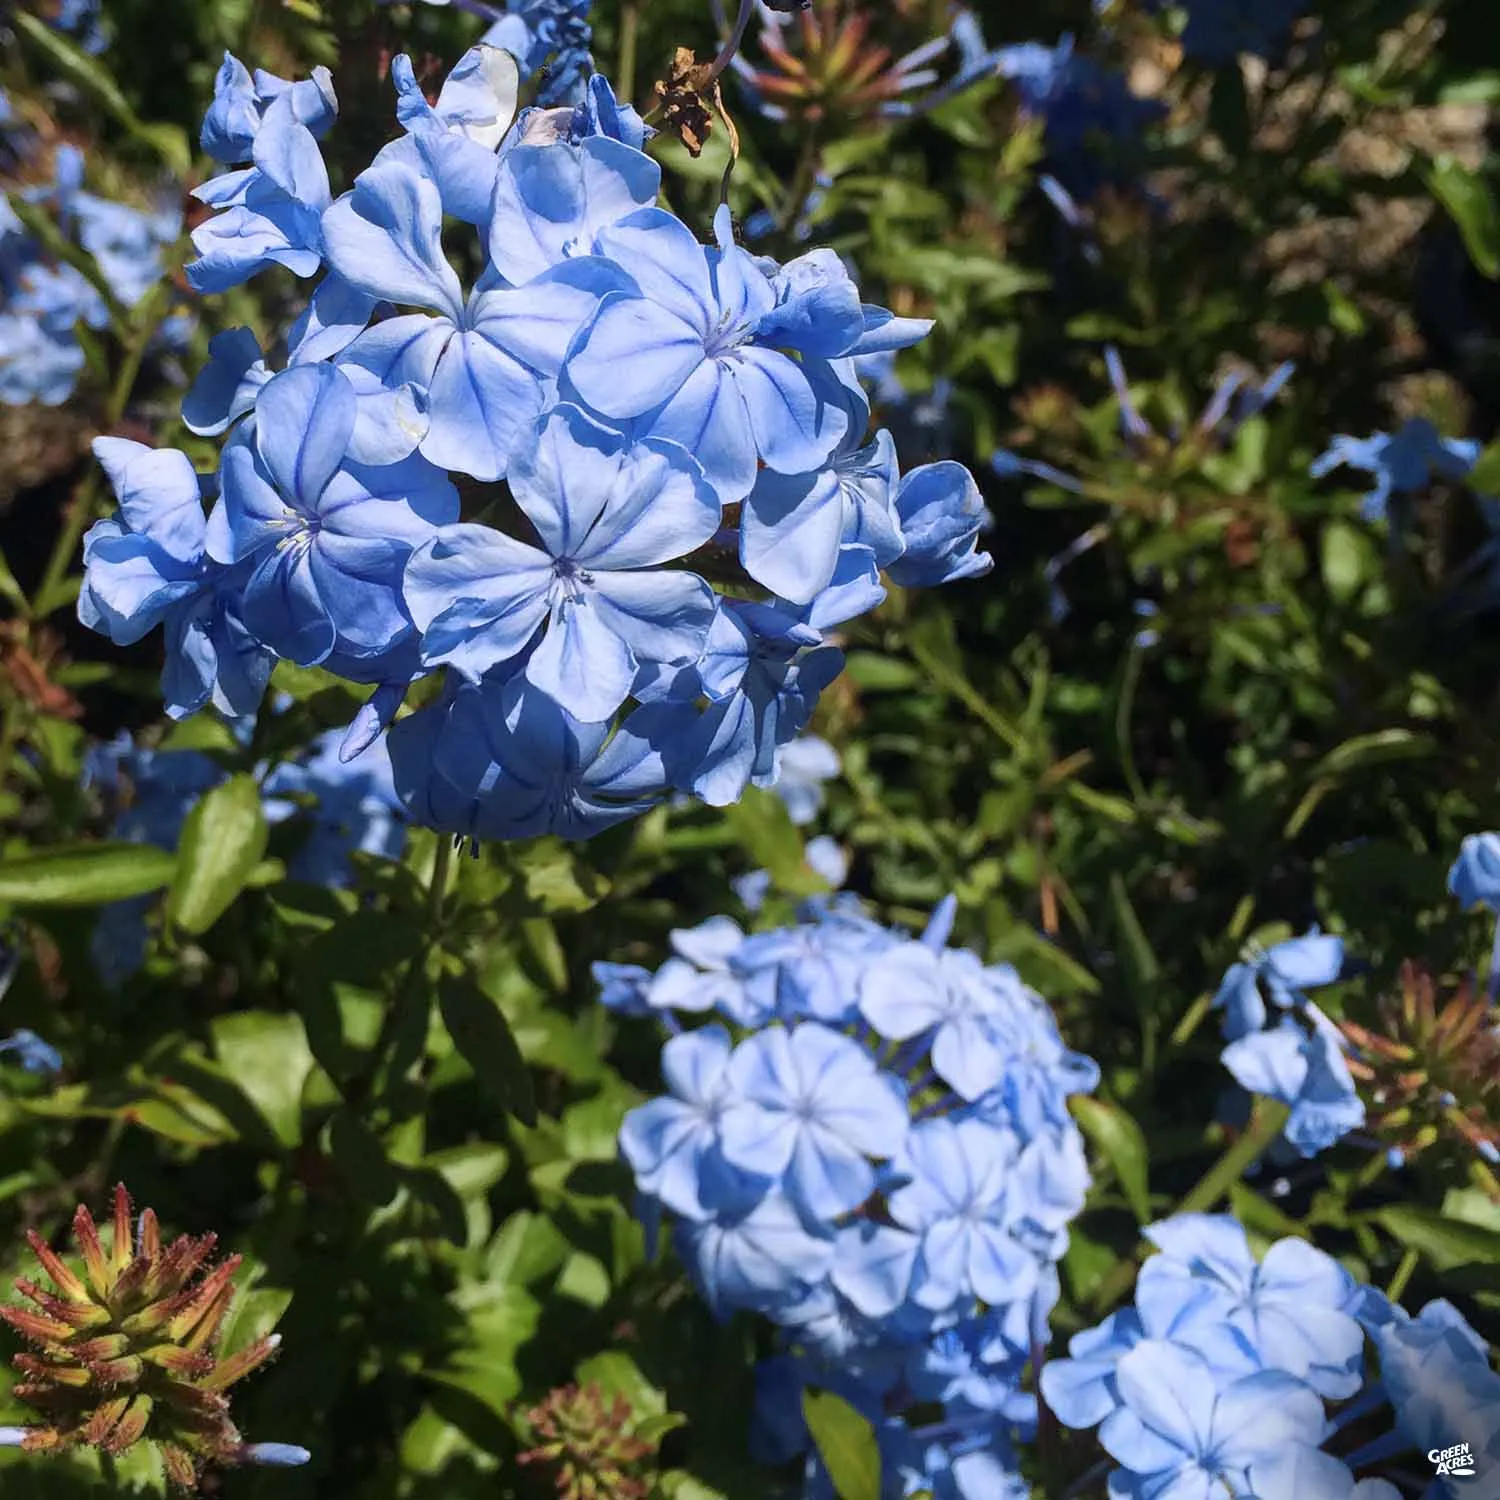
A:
x: 591, y: 1445
x: 126, y: 1352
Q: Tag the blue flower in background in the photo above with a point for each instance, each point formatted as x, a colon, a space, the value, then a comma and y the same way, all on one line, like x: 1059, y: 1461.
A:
x: 1301, y: 1062
x: 269, y: 213
x: 900, y: 1238
x: 1092, y: 120
x: 1404, y: 463
x: 804, y: 765
x: 350, y: 805
x: 31, y: 1052
x: 1474, y: 879
x: 1284, y: 970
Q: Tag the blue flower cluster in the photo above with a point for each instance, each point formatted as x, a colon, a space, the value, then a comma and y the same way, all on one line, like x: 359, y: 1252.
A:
x: 1217, y: 1382
x: 338, y: 808
x: 1291, y: 1051
x: 659, y: 409
x: 883, y: 1164
x: 41, y: 301
x: 550, y: 39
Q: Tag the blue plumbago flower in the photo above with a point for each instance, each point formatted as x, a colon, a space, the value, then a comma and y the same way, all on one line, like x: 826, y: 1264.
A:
x: 455, y: 138
x: 499, y: 759
x: 901, y: 1236
x: 804, y: 765
x: 271, y: 210
x: 241, y: 104
x: 350, y: 805
x: 705, y: 333
x: 1297, y: 1057
x: 593, y: 670
x: 81, y: 20
x: 325, y: 540
x: 1474, y: 879
x: 550, y: 39
x: 41, y: 303
x: 606, y: 519
x: 1217, y: 1327
x: 1283, y: 972
x: 1085, y: 109
x: 1404, y: 463
x: 33, y: 1054
x: 152, y: 567
x: 1180, y: 1430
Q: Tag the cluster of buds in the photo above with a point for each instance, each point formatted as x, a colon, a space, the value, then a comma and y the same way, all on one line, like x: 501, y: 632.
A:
x: 592, y: 1444
x: 1432, y: 1071
x: 127, y: 1351
x: 834, y: 61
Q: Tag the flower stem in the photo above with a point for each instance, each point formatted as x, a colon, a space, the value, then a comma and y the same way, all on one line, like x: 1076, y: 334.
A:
x: 1266, y: 1123
x: 730, y: 47
x: 630, y: 20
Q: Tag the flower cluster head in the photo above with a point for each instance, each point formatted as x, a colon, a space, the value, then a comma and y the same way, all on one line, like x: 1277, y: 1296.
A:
x: 834, y: 60
x: 659, y: 409
x: 1288, y: 1049
x: 43, y: 298
x: 128, y: 1351
x: 590, y: 1443
x: 1431, y: 1071
x: 1232, y: 1377
x: 883, y: 1164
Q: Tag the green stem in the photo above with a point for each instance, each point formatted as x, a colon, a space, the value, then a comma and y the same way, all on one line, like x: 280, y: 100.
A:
x: 44, y: 227
x: 1124, y: 709
x: 1266, y: 1123
x: 802, y: 184
x: 396, y: 1012
x: 1403, y: 1275
x: 630, y: 20
x: 1192, y: 1020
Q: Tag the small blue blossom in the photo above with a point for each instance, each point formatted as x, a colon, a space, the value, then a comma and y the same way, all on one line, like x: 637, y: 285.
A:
x: 33, y: 1054
x: 803, y: 767
x: 1402, y: 464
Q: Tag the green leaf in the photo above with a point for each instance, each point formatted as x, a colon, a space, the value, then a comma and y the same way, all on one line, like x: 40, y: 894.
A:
x: 483, y: 1037
x: 846, y: 1444
x: 360, y: 1157
x: 1374, y: 749
x: 1445, y: 1242
x: 1468, y: 199
x: 1121, y: 1142
x: 1484, y: 477
x: 1346, y: 561
x: 223, y: 841
x: 617, y: 1374
x: 88, y: 875
x: 1140, y: 957
x: 268, y: 1057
